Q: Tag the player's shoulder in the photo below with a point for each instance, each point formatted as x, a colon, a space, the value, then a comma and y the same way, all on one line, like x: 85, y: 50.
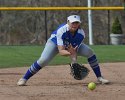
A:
x: 62, y: 29
x: 81, y: 31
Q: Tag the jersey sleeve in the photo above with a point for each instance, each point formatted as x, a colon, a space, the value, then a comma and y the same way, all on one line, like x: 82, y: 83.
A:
x: 82, y: 32
x: 59, y: 37
x: 81, y: 37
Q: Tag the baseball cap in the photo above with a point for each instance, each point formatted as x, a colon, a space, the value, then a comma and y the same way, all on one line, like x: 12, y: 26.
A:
x: 74, y: 18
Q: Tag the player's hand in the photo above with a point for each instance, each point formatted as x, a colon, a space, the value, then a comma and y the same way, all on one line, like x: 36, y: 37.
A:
x: 72, y: 50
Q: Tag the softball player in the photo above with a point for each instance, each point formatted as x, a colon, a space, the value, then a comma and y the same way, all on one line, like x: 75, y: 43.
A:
x: 67, y: 40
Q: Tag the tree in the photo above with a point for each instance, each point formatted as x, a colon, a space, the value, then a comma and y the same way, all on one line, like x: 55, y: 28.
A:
x: 116, y: 27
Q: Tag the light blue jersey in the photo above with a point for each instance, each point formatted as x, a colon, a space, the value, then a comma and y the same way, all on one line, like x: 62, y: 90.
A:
x: 62, y: 36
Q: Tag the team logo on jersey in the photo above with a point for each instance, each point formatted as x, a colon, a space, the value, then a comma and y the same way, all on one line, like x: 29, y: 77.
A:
x: 66, y: 42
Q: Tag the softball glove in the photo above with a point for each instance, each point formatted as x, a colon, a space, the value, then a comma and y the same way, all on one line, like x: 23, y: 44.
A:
x: 78, y: 71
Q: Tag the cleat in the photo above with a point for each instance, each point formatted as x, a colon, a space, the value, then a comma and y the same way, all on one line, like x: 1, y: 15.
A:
x: 102, y: 80
x: 22, y: 82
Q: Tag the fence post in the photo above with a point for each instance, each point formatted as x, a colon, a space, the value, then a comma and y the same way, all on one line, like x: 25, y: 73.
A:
x: 46, y: 29
x: 108, y: 26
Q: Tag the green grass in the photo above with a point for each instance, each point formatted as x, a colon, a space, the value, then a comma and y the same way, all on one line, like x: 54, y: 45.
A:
x: 110, y: 53
x: 19, y: 56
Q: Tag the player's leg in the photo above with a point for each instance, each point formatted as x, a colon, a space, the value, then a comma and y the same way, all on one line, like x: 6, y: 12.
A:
x: 48, y: 53
x: 86, y: 51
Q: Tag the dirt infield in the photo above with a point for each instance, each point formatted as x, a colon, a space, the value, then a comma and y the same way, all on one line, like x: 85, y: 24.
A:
x: 56, y: 83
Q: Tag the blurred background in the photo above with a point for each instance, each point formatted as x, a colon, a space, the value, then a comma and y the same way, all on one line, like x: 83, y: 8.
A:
x: 35, y: 27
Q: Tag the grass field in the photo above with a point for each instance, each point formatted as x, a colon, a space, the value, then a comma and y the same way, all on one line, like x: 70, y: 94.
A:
x: 20, y: 56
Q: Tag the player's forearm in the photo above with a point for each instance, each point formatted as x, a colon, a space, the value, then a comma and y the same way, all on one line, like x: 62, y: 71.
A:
x: 73, y: 58
x: 64, y: 53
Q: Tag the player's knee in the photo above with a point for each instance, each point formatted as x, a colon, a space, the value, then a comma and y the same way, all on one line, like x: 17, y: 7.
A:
x: 89, y: 53
x: 42, y: 62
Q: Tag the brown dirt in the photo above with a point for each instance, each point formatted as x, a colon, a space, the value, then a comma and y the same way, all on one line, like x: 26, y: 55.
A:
x: 56, y: 83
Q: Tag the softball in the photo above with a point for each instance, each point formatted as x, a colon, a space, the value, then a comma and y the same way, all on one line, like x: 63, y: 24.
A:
x: 91, y: 86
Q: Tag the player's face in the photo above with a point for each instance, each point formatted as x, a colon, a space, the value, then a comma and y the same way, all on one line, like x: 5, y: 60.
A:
x: 73, y: 26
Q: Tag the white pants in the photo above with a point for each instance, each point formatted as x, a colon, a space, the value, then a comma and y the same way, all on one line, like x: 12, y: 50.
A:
x: 51, y: 50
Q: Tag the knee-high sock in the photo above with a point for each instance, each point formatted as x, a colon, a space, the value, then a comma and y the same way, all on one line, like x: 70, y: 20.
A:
x: 34, y: 68
x: 94, y: 65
